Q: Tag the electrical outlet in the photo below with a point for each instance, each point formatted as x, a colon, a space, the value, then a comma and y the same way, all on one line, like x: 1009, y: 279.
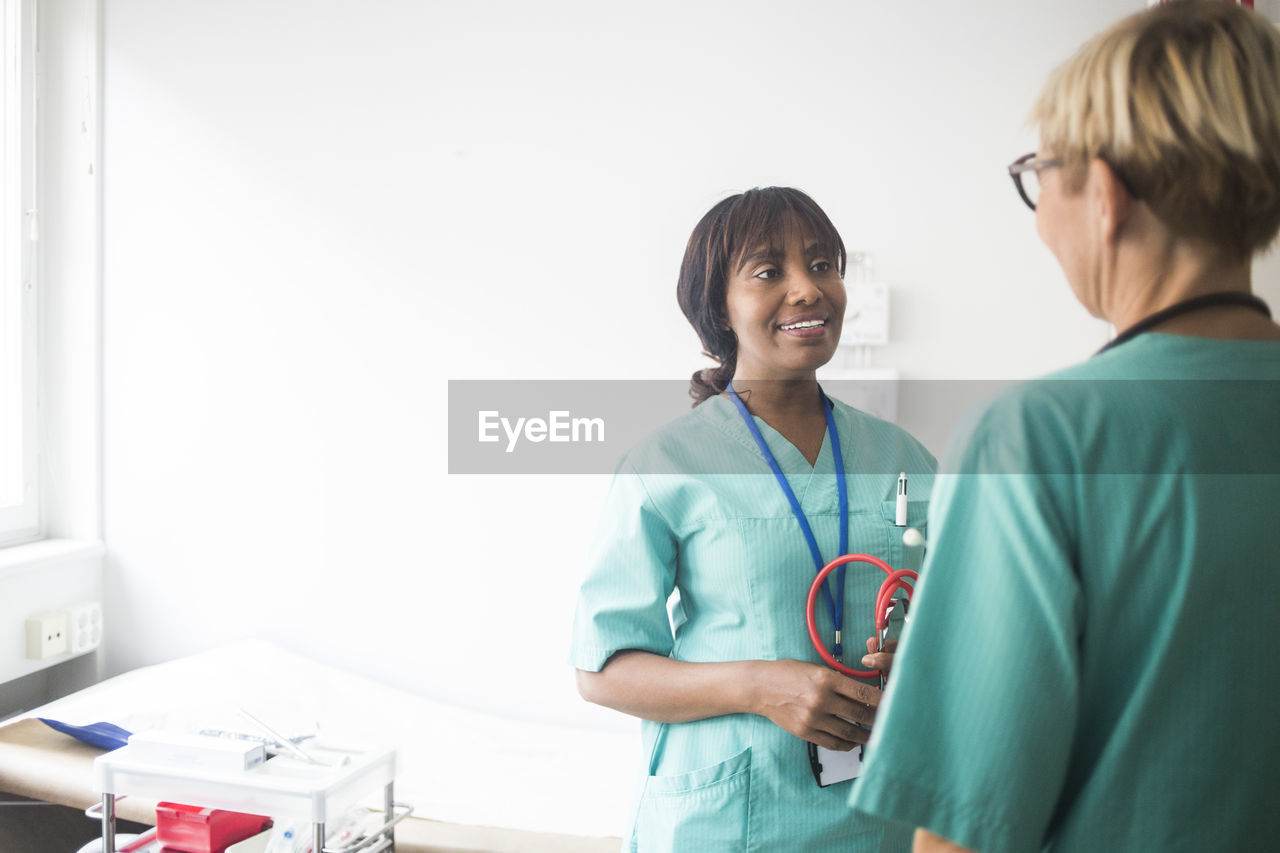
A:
x: 86, y: 626
x: 48, y: 634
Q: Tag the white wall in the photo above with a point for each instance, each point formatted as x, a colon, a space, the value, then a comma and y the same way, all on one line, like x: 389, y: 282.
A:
x: 316, y: 213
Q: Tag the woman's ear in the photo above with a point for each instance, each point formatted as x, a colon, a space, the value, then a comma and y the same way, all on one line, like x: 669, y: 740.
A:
x: 1112, y: 202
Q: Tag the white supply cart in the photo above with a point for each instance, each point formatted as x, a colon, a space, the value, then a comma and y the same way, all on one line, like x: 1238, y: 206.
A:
x: 283, y: 787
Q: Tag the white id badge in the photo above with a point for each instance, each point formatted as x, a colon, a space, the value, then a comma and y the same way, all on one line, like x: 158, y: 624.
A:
x: 831, y: 766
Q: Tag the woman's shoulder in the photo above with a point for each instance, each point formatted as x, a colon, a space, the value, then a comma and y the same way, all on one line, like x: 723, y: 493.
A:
x: 1102, y: 412
x: 1046, y: 424
x: 700, y: 441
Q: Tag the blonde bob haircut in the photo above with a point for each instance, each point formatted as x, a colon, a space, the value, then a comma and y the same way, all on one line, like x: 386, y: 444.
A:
x: 1182, y: 101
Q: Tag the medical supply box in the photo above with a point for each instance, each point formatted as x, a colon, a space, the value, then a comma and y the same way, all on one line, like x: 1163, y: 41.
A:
x: 192, y: 829
x: 196, y: 752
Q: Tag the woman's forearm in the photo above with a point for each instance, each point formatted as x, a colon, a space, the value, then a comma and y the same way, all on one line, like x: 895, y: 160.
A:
x: 808, y: 700
x: 671, y: 691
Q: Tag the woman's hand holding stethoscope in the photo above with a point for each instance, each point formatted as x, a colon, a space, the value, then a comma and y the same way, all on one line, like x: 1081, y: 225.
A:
x: 825, y: 705
x: 835, y: 764
x: 880, y: 659
x: 816, y: 703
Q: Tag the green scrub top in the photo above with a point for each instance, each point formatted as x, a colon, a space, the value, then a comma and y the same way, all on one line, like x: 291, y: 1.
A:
x: 699, y: 557
x: 1091, y: 661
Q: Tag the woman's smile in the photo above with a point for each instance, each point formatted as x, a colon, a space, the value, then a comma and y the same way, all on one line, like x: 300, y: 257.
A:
x: 805, y: 326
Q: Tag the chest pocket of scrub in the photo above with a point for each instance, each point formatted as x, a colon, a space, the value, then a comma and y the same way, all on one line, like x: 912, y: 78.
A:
x: 899, y: 555
x: 703, y: 810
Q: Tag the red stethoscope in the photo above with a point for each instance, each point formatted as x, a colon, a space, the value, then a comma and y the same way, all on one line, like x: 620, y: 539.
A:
x: 898, y: 579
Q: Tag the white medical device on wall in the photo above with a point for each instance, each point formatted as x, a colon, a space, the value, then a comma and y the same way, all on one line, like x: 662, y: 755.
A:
x: 866, y: 326
x: 866, y: 317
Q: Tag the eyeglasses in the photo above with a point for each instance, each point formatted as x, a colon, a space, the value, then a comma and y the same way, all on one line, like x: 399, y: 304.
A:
x: 1028, y: 165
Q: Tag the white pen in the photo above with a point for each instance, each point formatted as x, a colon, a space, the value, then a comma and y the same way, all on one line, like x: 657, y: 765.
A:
x: 901, y: 520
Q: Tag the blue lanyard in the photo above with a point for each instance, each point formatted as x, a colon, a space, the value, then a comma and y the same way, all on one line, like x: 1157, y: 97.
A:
x: 837, y: 613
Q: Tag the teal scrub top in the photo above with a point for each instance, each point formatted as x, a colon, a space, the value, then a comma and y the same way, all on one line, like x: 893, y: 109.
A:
x: 1091, y: 662
x: 699, y: 557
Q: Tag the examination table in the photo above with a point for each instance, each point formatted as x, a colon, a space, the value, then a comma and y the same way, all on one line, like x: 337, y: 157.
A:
x: 477, y: 782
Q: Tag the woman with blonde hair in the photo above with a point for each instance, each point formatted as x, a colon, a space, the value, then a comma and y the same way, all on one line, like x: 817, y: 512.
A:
x: 1097, y: 613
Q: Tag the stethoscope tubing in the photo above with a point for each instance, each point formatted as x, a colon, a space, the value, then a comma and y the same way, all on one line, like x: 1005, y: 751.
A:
x: 897, y: 579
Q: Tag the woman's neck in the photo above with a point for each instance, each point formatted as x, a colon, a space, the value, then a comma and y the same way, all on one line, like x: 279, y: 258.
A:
x: 792, y: 407
x: 781, y: 399
x: 1178, y: 270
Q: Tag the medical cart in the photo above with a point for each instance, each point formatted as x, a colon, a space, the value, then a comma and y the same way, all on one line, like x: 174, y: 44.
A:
x: 283, y: 787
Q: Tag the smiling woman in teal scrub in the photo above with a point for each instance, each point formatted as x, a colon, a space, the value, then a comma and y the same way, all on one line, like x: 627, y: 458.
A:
x: 692, y: 613
x: 1098, y: 613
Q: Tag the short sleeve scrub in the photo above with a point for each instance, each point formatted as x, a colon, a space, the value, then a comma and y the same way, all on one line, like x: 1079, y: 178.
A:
x: 1098, y: 615
x: 699, y: 557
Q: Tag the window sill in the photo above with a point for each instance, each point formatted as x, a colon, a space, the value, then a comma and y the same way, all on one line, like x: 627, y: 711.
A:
x: 46, y: 553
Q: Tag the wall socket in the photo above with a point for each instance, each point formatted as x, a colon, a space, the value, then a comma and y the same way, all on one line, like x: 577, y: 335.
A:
x: 48, y: 634
x: 86, y: 626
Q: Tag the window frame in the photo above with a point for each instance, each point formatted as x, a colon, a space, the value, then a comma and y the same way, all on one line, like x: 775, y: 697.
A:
x: 59, y: 561
x: 20, y: 516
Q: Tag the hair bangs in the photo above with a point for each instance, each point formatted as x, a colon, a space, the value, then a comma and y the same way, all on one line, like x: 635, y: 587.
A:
x: 764, y: 218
